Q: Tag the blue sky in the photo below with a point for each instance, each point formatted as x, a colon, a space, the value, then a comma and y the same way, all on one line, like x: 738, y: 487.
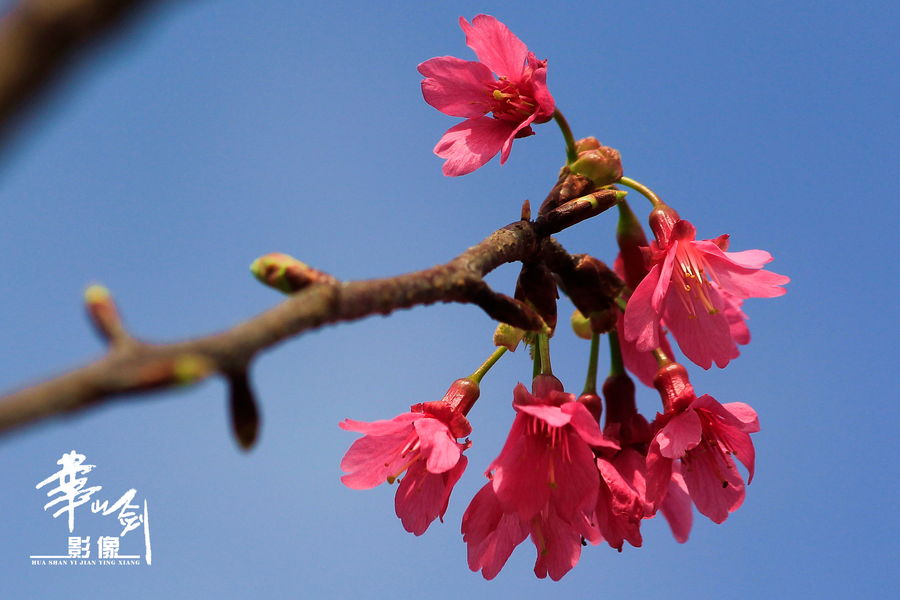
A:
x: 219, y: 131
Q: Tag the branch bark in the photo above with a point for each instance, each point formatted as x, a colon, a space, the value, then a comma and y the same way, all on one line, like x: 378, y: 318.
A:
x: 132, y: 366
x: 39, y: 38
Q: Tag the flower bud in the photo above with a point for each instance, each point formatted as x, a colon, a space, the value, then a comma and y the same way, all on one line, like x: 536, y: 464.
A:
x: 620, y: 404
x: 585, y: 144
x: 286, y: 273
x: 537, y: 287
x: 674, y: 387
x: 103, y: 313
x: 593, y: 403
x: 590, y: 284
x: 508, y: 336
x: 662, y: 221
x: 581, y: 325
x: 631, y: 240
x: 603, y: 165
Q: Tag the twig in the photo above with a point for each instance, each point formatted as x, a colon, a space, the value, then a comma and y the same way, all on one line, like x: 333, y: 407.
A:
x: 39, y: 38
x: 135, y: 367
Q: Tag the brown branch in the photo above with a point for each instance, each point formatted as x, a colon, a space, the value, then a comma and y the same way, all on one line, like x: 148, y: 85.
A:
x: 132, y: 366
x: 39, y: 38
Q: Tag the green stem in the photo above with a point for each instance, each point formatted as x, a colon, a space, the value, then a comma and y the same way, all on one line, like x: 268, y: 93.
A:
x: 642, y: 189
x: 544, y: 343
x: 486, y: 365
x: 661, y: 358
x: 616, y: 365
x: 571, y: 154
x: 536, y: 365
x: 590, y: 383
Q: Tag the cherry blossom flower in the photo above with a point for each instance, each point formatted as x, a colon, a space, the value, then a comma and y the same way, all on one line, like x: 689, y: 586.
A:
x: 423, y: 444
x: 544, y: 484
x: 695, y: 289
x: 704, y: 435
x: 515, y: 99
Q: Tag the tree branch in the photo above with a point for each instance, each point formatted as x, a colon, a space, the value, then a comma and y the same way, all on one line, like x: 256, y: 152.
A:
x: 132, y: 366
x: 39, y: 38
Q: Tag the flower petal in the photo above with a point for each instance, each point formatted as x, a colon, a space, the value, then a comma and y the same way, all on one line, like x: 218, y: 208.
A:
x: 507, y: 144
x: 372, y: 459
x: 587, y: 428
x: 641, y: 319
x: 714, y: 483
x: 742, y: 281
x: 457, y: 87
x: 489, y: 533
x: 438, y: 447
x: 496, y: 46
x: 470, y: 144
x: 385, y: 427
x: 681, y: 433
x: 676, y: 507
x: 558, y: 545
x: 704, y: 337
x: 423, y: 496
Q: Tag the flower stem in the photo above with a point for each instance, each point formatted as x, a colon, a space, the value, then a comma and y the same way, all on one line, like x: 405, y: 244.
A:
x: 571, y: 155
x: 590, y: 383
x: 616, y: 365
x: 486, y: 365
x: 544, y: 344
x: 643, y: 189
x: 536, y: 359
x: 662, y: 359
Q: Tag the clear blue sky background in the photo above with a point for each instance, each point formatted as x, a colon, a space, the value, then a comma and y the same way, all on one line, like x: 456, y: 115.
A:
x: 218, y: 131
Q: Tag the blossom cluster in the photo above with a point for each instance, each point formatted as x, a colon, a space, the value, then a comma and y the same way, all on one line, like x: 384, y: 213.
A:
x: 562, y: 479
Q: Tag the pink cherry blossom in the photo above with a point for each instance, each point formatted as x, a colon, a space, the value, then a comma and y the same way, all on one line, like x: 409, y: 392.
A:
x: 543, y: 484
x: 423, y: 444
x: 704, y: 436
x: 695, y: 289
x: 515, y: 99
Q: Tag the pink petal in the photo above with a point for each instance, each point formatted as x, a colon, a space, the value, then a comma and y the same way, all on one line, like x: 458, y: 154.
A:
x: 554, y: 416
x: 745, y: 414
x: 540, y: 92
x: 752, y: 259
x: 703, y: 337
x: 641, y: 363
x: 587, y: 428
x: 573, y: 487
x: 558, y: 546
x: 496, y: 46
x: 372, y: 459
x: 713, y: 483
x: 470, y: 144
x: 641, y: 318
x: 456, y: 87
x: 507, y: 144
x: 659, y: 472
x: 676, y: 507
x: 744, y: 282
x: 522, y: 470
x: 438, y: 447
x: 736, y: 318
x: 624, y: 499
x: 619, y: 509
x: 681, y: 433
x: 387, y: 427
x: 489, y: 534
x: 423, y: 496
